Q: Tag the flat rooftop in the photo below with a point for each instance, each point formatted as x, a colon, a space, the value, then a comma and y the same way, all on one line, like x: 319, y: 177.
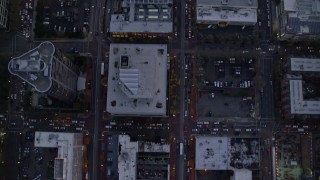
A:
x: 68, y: 163
x: 212, y: 153
x: 128, y: 155
x: 302, y: 16
x: 297, y: 104
x: 231, y: 11
x: 146, y: 16
x: 223, y: 153
x: 35, y: 66
x: 305, y: 64
x: 127, y: 158
x: 137, y: 79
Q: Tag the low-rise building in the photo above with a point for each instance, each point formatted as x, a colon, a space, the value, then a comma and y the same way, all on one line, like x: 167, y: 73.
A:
x: 240, y: 155
x: 147, y: 18
x: 227, y: 12
x: 139, y: 160
x: 68, y: 163
x: 299, y: 19
x: 299, y: 87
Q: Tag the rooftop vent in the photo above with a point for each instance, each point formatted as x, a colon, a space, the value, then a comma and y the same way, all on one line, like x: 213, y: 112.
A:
x: 224, y: 2
x: 159, y: 105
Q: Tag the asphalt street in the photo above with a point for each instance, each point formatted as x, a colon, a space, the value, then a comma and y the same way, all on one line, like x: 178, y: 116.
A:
x: 266, y: 92
x: 181, y: 117
x: 95, y: 111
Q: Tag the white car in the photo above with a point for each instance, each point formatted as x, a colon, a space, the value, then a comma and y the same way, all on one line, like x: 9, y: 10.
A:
x: 79, y: 128
x: 211, y: 95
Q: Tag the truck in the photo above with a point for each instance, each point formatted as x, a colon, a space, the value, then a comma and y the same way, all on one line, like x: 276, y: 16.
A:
x: 181, y: 149
x: 102, y: 68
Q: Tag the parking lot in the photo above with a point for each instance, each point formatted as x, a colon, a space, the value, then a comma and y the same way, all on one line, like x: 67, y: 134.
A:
x: 26, y: 15
x: 37, y: 163
x: 63, y: 18
x: 226, y: 86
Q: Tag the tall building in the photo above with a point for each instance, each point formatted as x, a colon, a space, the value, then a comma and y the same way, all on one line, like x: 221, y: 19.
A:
x: 137, y: 79
x: 4, y: 5
x: 299, y: 19
x: 147, y: 18
x: 227, y: 12
x: 48, y: 71
x: 68, y: 163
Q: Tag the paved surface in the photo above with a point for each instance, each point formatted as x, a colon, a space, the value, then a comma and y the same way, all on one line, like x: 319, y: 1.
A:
x: 266, y: 92
x: 222, y: 106
x: 181, y: 118
x: 96, y: 111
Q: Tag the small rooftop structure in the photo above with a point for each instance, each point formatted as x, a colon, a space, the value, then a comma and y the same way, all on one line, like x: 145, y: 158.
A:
x: 233, y: 12
x: 241, y: 174
x: 137, y: 79
x: 144, y: 16
x: 68, y: 164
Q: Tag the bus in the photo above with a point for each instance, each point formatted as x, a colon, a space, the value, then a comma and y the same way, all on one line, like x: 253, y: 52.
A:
x: 181, y: 148
x: 102, y: 68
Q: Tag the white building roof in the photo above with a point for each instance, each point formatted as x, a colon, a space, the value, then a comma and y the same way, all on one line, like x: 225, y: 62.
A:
x: 151, y: 16
x: 137, y: 79
x: 298, y: 104
x: 305, y: 64
x: 230, y: 11
x: 127, y: 159
x: 212, y: 153
x: 68, y: 163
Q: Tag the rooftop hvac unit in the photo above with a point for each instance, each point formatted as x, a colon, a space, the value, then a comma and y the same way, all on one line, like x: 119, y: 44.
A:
x: 224, y: 2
